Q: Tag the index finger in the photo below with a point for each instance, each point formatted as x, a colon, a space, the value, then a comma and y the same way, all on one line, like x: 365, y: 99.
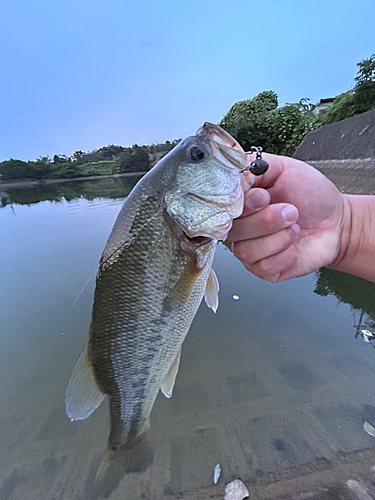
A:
x: 255, y: 199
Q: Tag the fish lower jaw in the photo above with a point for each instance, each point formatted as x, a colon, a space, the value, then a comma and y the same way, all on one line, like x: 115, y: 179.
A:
x: 219, y: 232
x: 196, y: 241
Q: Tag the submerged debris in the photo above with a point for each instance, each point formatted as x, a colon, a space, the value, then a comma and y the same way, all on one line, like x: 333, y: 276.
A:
x: 369, y: 429
x: 367, y: 335
x: 236, y: 490
x: 358, y: 489
x: 368, y: 418
x: 217, y: 473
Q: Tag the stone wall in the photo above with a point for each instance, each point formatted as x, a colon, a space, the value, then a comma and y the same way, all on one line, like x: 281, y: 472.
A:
x: 350, y: 176
x: 350, y: 138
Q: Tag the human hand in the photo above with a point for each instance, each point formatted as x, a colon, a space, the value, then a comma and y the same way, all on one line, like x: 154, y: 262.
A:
x: 291, y: 223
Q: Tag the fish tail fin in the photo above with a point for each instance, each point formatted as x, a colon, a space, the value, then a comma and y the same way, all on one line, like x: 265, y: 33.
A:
x: 116, y: 464
x: 135, y: 456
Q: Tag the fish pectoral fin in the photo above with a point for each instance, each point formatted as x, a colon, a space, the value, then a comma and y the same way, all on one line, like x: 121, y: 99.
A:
x: 211, y: 295
x: 168, y: 383
x: 82, y: 396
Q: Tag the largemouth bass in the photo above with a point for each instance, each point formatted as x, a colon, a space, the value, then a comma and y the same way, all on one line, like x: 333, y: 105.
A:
x: 154, y: 271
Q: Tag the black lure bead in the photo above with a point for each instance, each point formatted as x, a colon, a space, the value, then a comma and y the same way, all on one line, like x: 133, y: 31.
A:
x: 258, y: 167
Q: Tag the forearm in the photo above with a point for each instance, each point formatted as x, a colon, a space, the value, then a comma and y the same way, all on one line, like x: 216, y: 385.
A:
x: 357, y: 248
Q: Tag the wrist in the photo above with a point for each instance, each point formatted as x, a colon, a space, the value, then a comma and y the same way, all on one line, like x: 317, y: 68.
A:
x: 357, y: 237
x: 345, y: 231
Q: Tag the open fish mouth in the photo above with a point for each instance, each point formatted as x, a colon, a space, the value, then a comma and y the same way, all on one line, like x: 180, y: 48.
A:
x: 218, y: 224
x: 197, y: 241
x: 202, y: 235
x: 186, y: 238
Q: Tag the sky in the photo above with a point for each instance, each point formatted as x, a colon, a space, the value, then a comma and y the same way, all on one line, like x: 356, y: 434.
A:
x: 82, y: 74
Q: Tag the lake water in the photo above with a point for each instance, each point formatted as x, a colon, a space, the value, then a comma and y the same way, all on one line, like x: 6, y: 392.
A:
x: 271, y: 385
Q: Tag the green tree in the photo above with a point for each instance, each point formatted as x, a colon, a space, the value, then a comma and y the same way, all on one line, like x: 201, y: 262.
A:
x: 288, y: 125
x: 14, y: 169
x: 341, y: 108
x: 141, y: 161
x: 39, y: 169
x: 247, y: 120
x: 125, y: 160
x: 357, y: 100
x: 134, y: 159
x: 366, y: 70
x: 364, y: 96
x: 109, y: 152
x: 260, y: 122
x: 79, y: 156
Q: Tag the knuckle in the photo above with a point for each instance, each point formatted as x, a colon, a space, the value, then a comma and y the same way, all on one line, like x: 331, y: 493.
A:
x: 287, y: 238
x: 271, y: 268
x: 291, y: 236
x: 241, y: 251
x: 266, y: 268
x: 270, y: 220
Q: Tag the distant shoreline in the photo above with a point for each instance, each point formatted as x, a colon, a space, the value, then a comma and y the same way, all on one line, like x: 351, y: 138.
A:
x: 47, y: 182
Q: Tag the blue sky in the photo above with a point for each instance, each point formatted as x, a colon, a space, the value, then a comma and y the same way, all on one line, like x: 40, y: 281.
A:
x: 79, y: 74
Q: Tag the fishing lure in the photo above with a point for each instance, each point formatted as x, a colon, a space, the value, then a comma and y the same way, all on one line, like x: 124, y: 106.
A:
x: 258, y: 166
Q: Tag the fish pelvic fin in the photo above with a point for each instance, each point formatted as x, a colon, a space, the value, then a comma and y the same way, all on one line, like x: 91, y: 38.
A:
x: 211, y: 295
x: 82, y: 396
x: 168, y: 383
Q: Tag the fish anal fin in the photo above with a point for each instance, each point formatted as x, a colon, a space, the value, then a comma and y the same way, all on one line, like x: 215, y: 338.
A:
x: 82, y: 396
x: 211, y: 295
x: 168, y: 383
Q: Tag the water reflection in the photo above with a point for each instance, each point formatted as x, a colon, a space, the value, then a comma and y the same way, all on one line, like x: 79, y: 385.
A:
x: 356, y: 292
x: 114, y: 187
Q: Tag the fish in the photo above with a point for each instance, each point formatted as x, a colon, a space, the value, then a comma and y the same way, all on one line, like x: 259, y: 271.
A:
x: 153, y: 274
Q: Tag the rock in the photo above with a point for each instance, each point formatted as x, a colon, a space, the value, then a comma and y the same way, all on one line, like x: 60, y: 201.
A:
x: 236, y: 490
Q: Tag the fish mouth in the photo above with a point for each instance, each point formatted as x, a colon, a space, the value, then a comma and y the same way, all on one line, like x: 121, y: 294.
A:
x: 186, y: 241
x: 218, y: 135
x: 224, y: 147
x: 197, y: 241
x: 203, y: 235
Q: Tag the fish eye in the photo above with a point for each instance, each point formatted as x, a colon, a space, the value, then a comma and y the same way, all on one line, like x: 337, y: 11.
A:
x: 196, y: 153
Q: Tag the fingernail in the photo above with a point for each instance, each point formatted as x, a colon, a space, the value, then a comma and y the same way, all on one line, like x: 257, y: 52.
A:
x: 296, y: 229
x: 289, y: 213
x: 257, y: 199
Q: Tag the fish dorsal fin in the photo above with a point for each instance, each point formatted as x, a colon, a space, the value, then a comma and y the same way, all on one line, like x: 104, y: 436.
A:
x: 82, y: 396
x: 211, y: 295
x: 168, y: 383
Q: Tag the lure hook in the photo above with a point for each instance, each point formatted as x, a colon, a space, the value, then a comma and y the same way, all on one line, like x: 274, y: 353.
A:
x: 258, y: 166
